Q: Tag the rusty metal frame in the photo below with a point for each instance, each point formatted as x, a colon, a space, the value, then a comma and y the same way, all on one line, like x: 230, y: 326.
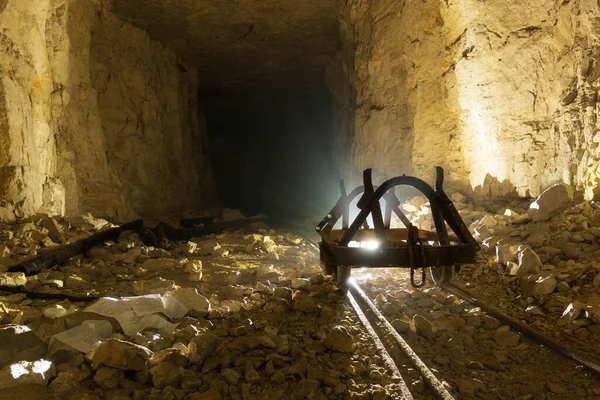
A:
x: 409, y: 247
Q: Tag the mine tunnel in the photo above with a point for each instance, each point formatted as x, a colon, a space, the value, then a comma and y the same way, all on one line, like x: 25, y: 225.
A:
x: 309, y: 199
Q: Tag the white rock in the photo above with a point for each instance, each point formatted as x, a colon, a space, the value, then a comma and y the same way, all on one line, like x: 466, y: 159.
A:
x: 409, y: 208
x: 457, y: 197
x: 220, y: 251
x: 339, y: 339
x: 423, y: 327
x: 190, y: 247
x: 197, y: 304
x: 19, y: 343
x: 195, y: 276
x: 12, y: 279
x: 529, y: 263
x: 7, y: 216
x: 506, y: 253
x: 300, y: 282
x: 87, y: 222
x: 122, y: 355
x: 426, y: 225
x: 488, y: 221
x: 132, y: 256
x: 166, y: 374
x: 55, y: 231
x: 261, y: 287
x: 108, y: 377
x: 57, y: 311
x: 512, y: 268
x: 74, y: 282
x: 201, y: 347
x: 152, y: 286
x: 551, y: 202
x: 415, y: 204
x: 593, y: 308
x: 544, y: 286
x: 482, y: 232
x: 193, y: 266
x: 535, y: 310
x: 572, y: 312
x: 27, y: 373
x: 4, y: 251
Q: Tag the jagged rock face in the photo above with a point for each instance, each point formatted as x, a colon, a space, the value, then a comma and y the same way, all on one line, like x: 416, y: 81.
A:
x: 95, y: 116
x: 237, y: 41
x: 26, y: 139
x: 502, y: 94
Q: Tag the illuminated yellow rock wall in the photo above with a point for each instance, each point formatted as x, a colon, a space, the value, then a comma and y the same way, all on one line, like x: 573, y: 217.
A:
x: 500, y: 93
x: 27, y: 147
x: 95, y: 116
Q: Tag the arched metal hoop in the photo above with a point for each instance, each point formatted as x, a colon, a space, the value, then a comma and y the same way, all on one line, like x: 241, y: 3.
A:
x: 396, y: 245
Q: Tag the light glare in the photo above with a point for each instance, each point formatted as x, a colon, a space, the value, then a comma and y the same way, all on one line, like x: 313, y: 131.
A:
x: 369, y: 244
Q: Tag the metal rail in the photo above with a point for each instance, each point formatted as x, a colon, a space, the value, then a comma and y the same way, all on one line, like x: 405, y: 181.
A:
x: 537, y: 336
x: 387, y: 330
x: 380, y: 328
x: 387, y: 358
x: 430, y: 379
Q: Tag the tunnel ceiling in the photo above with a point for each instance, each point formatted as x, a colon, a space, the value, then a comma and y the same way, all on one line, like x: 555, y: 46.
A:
x: 239, y: 41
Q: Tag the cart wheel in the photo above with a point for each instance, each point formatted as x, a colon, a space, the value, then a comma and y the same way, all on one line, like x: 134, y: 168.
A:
x: 342, y: 275
x: 441, y: 275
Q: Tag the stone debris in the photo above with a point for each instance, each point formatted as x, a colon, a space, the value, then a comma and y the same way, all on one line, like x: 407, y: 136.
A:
x: 201, y: 347
x: 339, y: 339
x: 544, y: 273
x: 551, y: 202
x: 197, y: 305
x: 122, y: 355
x: 7, y: 216
x: 27, y: 373
x: 264, y: 320
x: 19, y: 343
x: 166, y: 374
x: 13, y: 279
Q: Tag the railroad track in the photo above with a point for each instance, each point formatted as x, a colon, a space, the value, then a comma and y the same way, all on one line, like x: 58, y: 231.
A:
x: 396, y: 349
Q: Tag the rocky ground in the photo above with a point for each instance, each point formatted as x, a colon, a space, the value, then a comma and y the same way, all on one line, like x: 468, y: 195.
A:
x: 538, y: 265
x: 261, y: 321
x: 258, y: 319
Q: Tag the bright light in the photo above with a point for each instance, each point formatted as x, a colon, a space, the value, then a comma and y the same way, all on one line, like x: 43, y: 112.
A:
x: 18, y: 370
x: 21, y: 368
x: 367, y: 244
x: 41, y: 367
x: 370, y: 244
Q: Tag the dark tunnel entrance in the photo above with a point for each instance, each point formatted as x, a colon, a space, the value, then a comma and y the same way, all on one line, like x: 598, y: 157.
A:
x: 272, y: 153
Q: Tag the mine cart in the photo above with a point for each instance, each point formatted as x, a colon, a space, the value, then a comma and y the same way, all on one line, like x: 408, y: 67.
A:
x: 358, y: 245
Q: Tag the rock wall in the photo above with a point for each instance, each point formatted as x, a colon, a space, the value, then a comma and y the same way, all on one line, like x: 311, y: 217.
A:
x: 502, y: 94
x: 98, y: 117
x: 27, y: 154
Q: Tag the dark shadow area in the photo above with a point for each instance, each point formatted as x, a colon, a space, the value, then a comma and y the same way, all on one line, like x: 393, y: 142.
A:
x: 271, y: 153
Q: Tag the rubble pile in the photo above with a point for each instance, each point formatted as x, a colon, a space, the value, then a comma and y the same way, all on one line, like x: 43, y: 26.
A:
x: 240, y: 315
x: 473, y: 353
x: 539, y: 264
x: 548, y: 253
